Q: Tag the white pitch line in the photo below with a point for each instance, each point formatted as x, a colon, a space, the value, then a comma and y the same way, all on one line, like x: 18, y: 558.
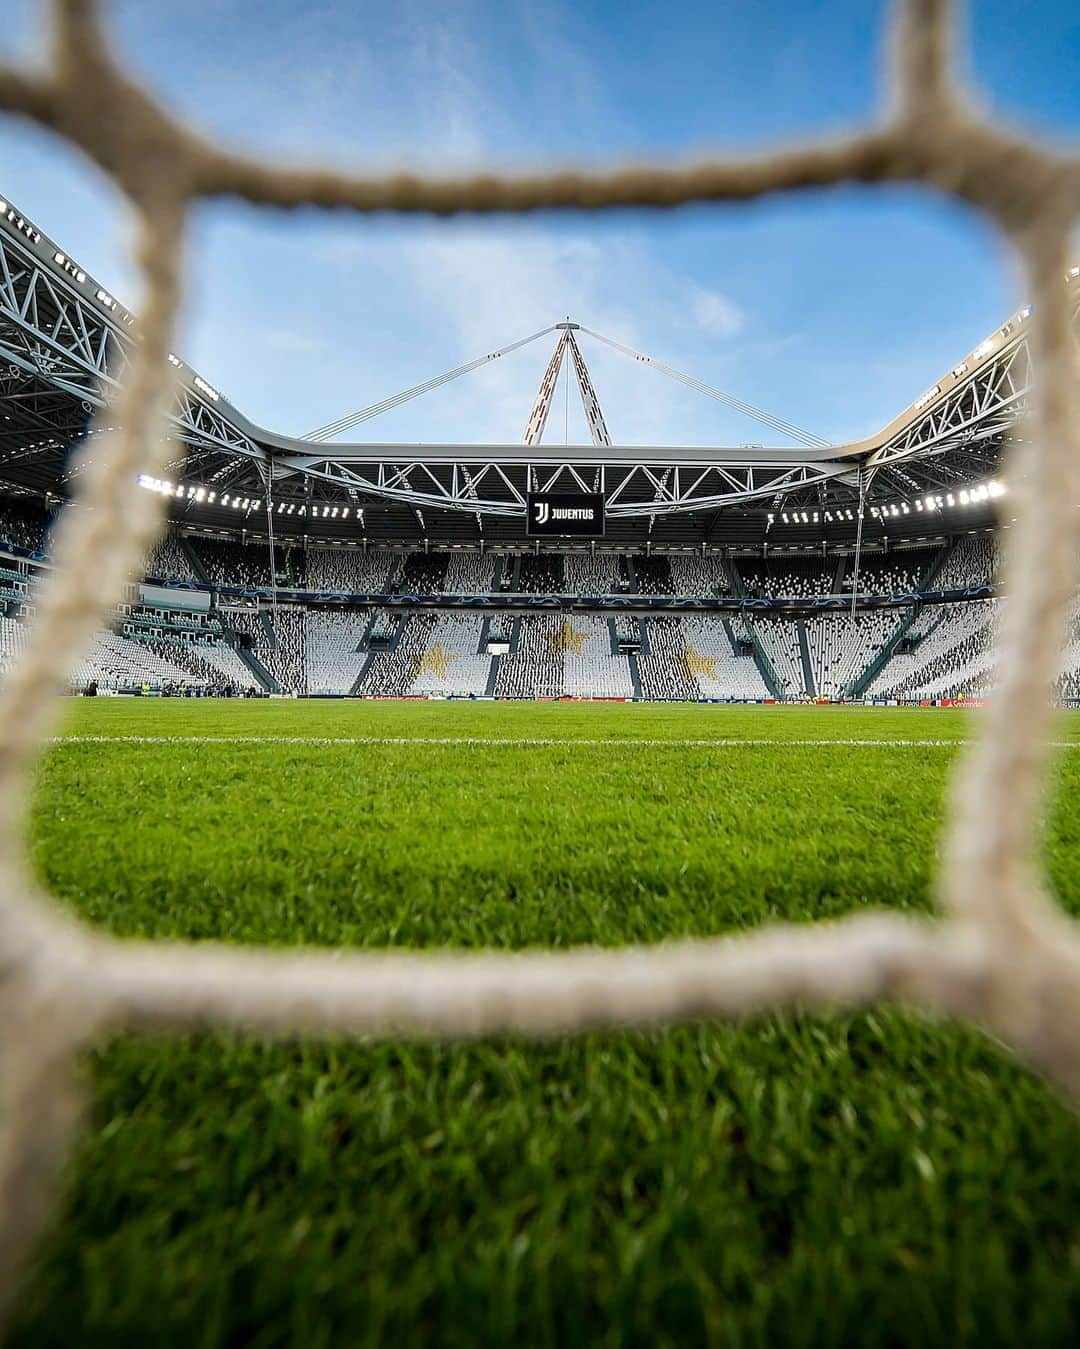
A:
x: 731, y: 742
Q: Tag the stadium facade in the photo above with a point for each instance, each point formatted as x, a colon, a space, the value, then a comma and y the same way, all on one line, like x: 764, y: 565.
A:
x: 306, y: 565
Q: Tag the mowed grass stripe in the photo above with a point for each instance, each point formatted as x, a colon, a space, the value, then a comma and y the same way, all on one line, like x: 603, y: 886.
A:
x: 585, y: 742
x: 872, y: 1179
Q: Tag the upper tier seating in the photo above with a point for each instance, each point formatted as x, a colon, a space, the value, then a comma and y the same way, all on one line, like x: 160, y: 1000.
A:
x: 653, y: 576
x: 424, y: 574
x: 592, y: 574
x: 471, y: 574
x: 787, y: 577
x: 167, y: 561
x: 700, y: 576
x: 972, y: 561
x: 895, y: 573
x: 24, y: 524
x: 349, y: 569
x: 541, y: 575
x: 247, y: 565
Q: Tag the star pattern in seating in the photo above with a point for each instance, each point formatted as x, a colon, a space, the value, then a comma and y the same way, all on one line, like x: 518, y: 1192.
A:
x: 567, y: 639
x: 695, y: 663
x: 436, y: 659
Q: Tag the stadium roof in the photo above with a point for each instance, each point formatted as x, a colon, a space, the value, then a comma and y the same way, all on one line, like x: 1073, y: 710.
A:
x: 66, y: 345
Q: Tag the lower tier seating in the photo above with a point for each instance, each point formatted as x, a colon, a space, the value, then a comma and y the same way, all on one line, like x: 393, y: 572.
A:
x: 941, y: 651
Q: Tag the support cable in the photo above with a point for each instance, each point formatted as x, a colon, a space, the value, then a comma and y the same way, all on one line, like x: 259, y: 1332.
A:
x: 858, y: 538
x: 351, y: 419
x: 270, y: 535
x: 778, y: 424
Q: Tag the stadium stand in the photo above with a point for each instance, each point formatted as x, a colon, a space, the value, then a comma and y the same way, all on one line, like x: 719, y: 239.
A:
x: 779, y: 639
x: 698, y: 576
x: 424, y: 574
x: 225, y: 660
x: 167, y: 561
x: 944, y: 653
x: 13, y: 636
x: 471, y: 574
x: 348, y: 569
x: 247, y: 566
x: 589, y: 668
x: 332, y: 654
x: 592, y: 574
x: 23, y: 524
x: 451, y: 662
x: 841, y: 646
x: 533, y: 668
x: 712, y: 661
x: 948, y: 654
x: 278, y: 640
x: 1068, y: 682
x: 662, y: 666
x: 117, y: 662
x: 972, y: 561
x: 653, y: 576
x: 541, y: 574
x: 390, y: 673
x: 786, y: 578
x: 894, y: 573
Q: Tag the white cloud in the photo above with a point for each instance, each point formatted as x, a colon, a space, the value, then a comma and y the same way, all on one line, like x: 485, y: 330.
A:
x: 715, y: 314
x: 490, y: 284
x: 491, y: 289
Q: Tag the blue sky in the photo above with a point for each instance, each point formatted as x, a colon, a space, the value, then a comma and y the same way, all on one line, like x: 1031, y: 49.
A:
x: 833, y: 311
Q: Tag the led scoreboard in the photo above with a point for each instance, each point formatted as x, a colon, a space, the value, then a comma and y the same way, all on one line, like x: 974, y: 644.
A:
x: 552, y: 514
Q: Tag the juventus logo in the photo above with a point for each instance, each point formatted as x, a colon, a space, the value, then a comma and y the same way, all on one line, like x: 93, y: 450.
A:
x: 543, y: 511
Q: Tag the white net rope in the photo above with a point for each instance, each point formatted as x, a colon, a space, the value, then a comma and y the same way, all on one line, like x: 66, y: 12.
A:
x: 1001, y: 953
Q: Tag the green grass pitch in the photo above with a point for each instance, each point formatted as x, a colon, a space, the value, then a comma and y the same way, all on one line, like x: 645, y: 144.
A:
x: 866, y: 1179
